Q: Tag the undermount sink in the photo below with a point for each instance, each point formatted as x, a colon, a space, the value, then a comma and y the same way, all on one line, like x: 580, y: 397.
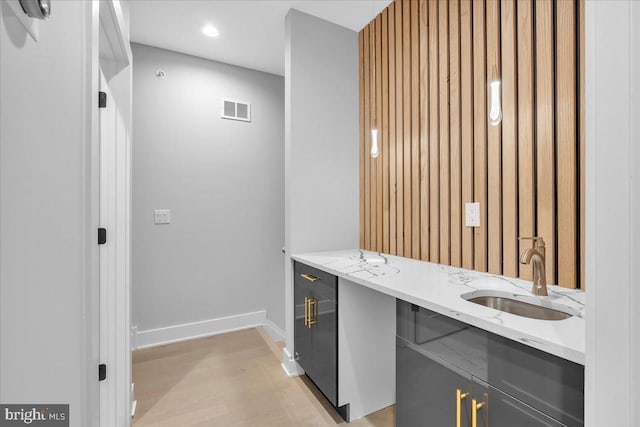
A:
x: 520, y: 305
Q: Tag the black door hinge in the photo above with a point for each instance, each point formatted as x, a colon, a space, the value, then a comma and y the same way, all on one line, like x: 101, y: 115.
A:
x: 102, y: 100
x: 102, y: 236
x: 102, y: 372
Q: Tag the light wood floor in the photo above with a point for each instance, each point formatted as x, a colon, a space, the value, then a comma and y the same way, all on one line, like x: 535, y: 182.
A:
x: 233, y: 379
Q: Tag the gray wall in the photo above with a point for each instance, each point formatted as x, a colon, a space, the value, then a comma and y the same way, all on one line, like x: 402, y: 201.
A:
x: 322, y: 145
x: 224, y: 183
x: 48, y: 211
x: 613, y: 213
x: 321, y: 148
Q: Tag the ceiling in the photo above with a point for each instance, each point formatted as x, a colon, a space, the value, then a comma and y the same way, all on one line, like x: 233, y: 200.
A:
x: 251, y: 31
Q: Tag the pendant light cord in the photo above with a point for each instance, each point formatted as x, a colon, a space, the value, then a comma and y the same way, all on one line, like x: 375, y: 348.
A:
x: 373, y: 65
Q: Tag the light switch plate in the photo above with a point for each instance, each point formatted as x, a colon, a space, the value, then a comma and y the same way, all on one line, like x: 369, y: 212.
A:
x: 472, y: 214
x: 162, y: 216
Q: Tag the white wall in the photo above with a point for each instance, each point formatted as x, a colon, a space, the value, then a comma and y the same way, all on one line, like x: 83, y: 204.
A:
x: 48, y: 211
x: 367, y: 349
x: 634, y: 237
x: 223, y: 181
x: 613, y: 213
x: 321, y: 148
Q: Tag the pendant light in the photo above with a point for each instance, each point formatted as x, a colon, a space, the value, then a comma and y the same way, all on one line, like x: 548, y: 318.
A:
x: 495, y: 112
x: 375, y: 149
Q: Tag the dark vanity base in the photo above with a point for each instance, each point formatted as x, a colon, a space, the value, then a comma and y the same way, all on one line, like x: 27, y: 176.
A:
x: 516, y: 385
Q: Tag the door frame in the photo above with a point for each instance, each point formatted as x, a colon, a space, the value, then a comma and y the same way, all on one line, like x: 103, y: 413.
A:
x: 115, y: 58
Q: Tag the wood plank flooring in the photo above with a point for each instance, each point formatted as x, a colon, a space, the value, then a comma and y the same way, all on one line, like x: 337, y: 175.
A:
x: 232, y: 379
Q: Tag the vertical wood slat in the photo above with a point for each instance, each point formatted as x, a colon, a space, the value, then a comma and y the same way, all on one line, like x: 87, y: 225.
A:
x: 406, y: 67
x: 455, y: 142
x: 445, y: 189
x: 581, y: 132
x: 526, y: 154
x: 377, y: 177
x: 566, y: 162
x: 367, y: 138
x: 494, y: 145
x: 509, y: 141
x: 373, y: 162
x: 361, y: 150
x: 480, y: 134
x: 384, y: 153
x: 374, y: 125
x: 546, y: 206
x: 434, y: 134
x: 424, y: 132
x: 378, y: 161
x: 466, y: 118
x: 399, y: 132
x: 415, y: 130
x: 392, y: 129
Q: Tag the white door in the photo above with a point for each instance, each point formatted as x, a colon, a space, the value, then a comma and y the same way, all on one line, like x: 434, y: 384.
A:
x: 115, y: 349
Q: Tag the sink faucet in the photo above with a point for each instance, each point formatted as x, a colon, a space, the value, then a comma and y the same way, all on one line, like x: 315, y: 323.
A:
x: 536, y: 254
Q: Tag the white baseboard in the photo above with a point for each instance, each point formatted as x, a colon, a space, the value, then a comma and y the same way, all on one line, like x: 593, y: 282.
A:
x: 274, y: 331
x: 289, y: 365
x: 205, y: 328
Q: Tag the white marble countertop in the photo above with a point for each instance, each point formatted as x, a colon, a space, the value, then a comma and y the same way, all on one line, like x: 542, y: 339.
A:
x: 439, y: 288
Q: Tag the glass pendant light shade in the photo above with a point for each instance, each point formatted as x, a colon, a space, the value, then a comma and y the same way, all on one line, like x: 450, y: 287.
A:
x: 375, y: 149
x: 495, y: 113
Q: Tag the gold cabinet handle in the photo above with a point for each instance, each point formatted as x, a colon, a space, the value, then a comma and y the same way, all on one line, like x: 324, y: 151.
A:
x: 460, y: 396
x: 475, y: 406
x: 306, y: 311
x: 313, y: 312
x: 309, y: 277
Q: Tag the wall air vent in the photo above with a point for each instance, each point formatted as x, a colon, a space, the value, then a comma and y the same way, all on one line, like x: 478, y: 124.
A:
x: 236, y: 110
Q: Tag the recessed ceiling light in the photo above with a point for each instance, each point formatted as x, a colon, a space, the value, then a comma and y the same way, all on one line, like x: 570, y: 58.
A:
x: 210, y: 30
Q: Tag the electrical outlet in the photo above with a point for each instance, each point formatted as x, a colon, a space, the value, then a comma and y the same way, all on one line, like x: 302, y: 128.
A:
x: 162, y: 216
x: 472, y: 214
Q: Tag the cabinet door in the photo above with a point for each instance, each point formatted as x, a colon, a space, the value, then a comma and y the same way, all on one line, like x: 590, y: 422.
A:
x: 548, y: 383
x: 426, y: 390
x: 506, y: 411
x: 480, y: 398
x: 302, y: 333
x: 325, y: 337
x: 316, y: 342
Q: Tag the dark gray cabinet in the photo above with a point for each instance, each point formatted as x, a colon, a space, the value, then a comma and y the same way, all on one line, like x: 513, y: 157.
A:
x: 447, y: 372
x: 416, y: 393
x: 504, y: 410
x: 550, y: 384
x: 316, y: 328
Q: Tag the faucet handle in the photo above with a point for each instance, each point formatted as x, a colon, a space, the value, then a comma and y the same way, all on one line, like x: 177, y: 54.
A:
x: 537, y: 241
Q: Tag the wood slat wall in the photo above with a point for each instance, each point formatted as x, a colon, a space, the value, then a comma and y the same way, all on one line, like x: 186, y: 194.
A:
x: 425, y: 69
